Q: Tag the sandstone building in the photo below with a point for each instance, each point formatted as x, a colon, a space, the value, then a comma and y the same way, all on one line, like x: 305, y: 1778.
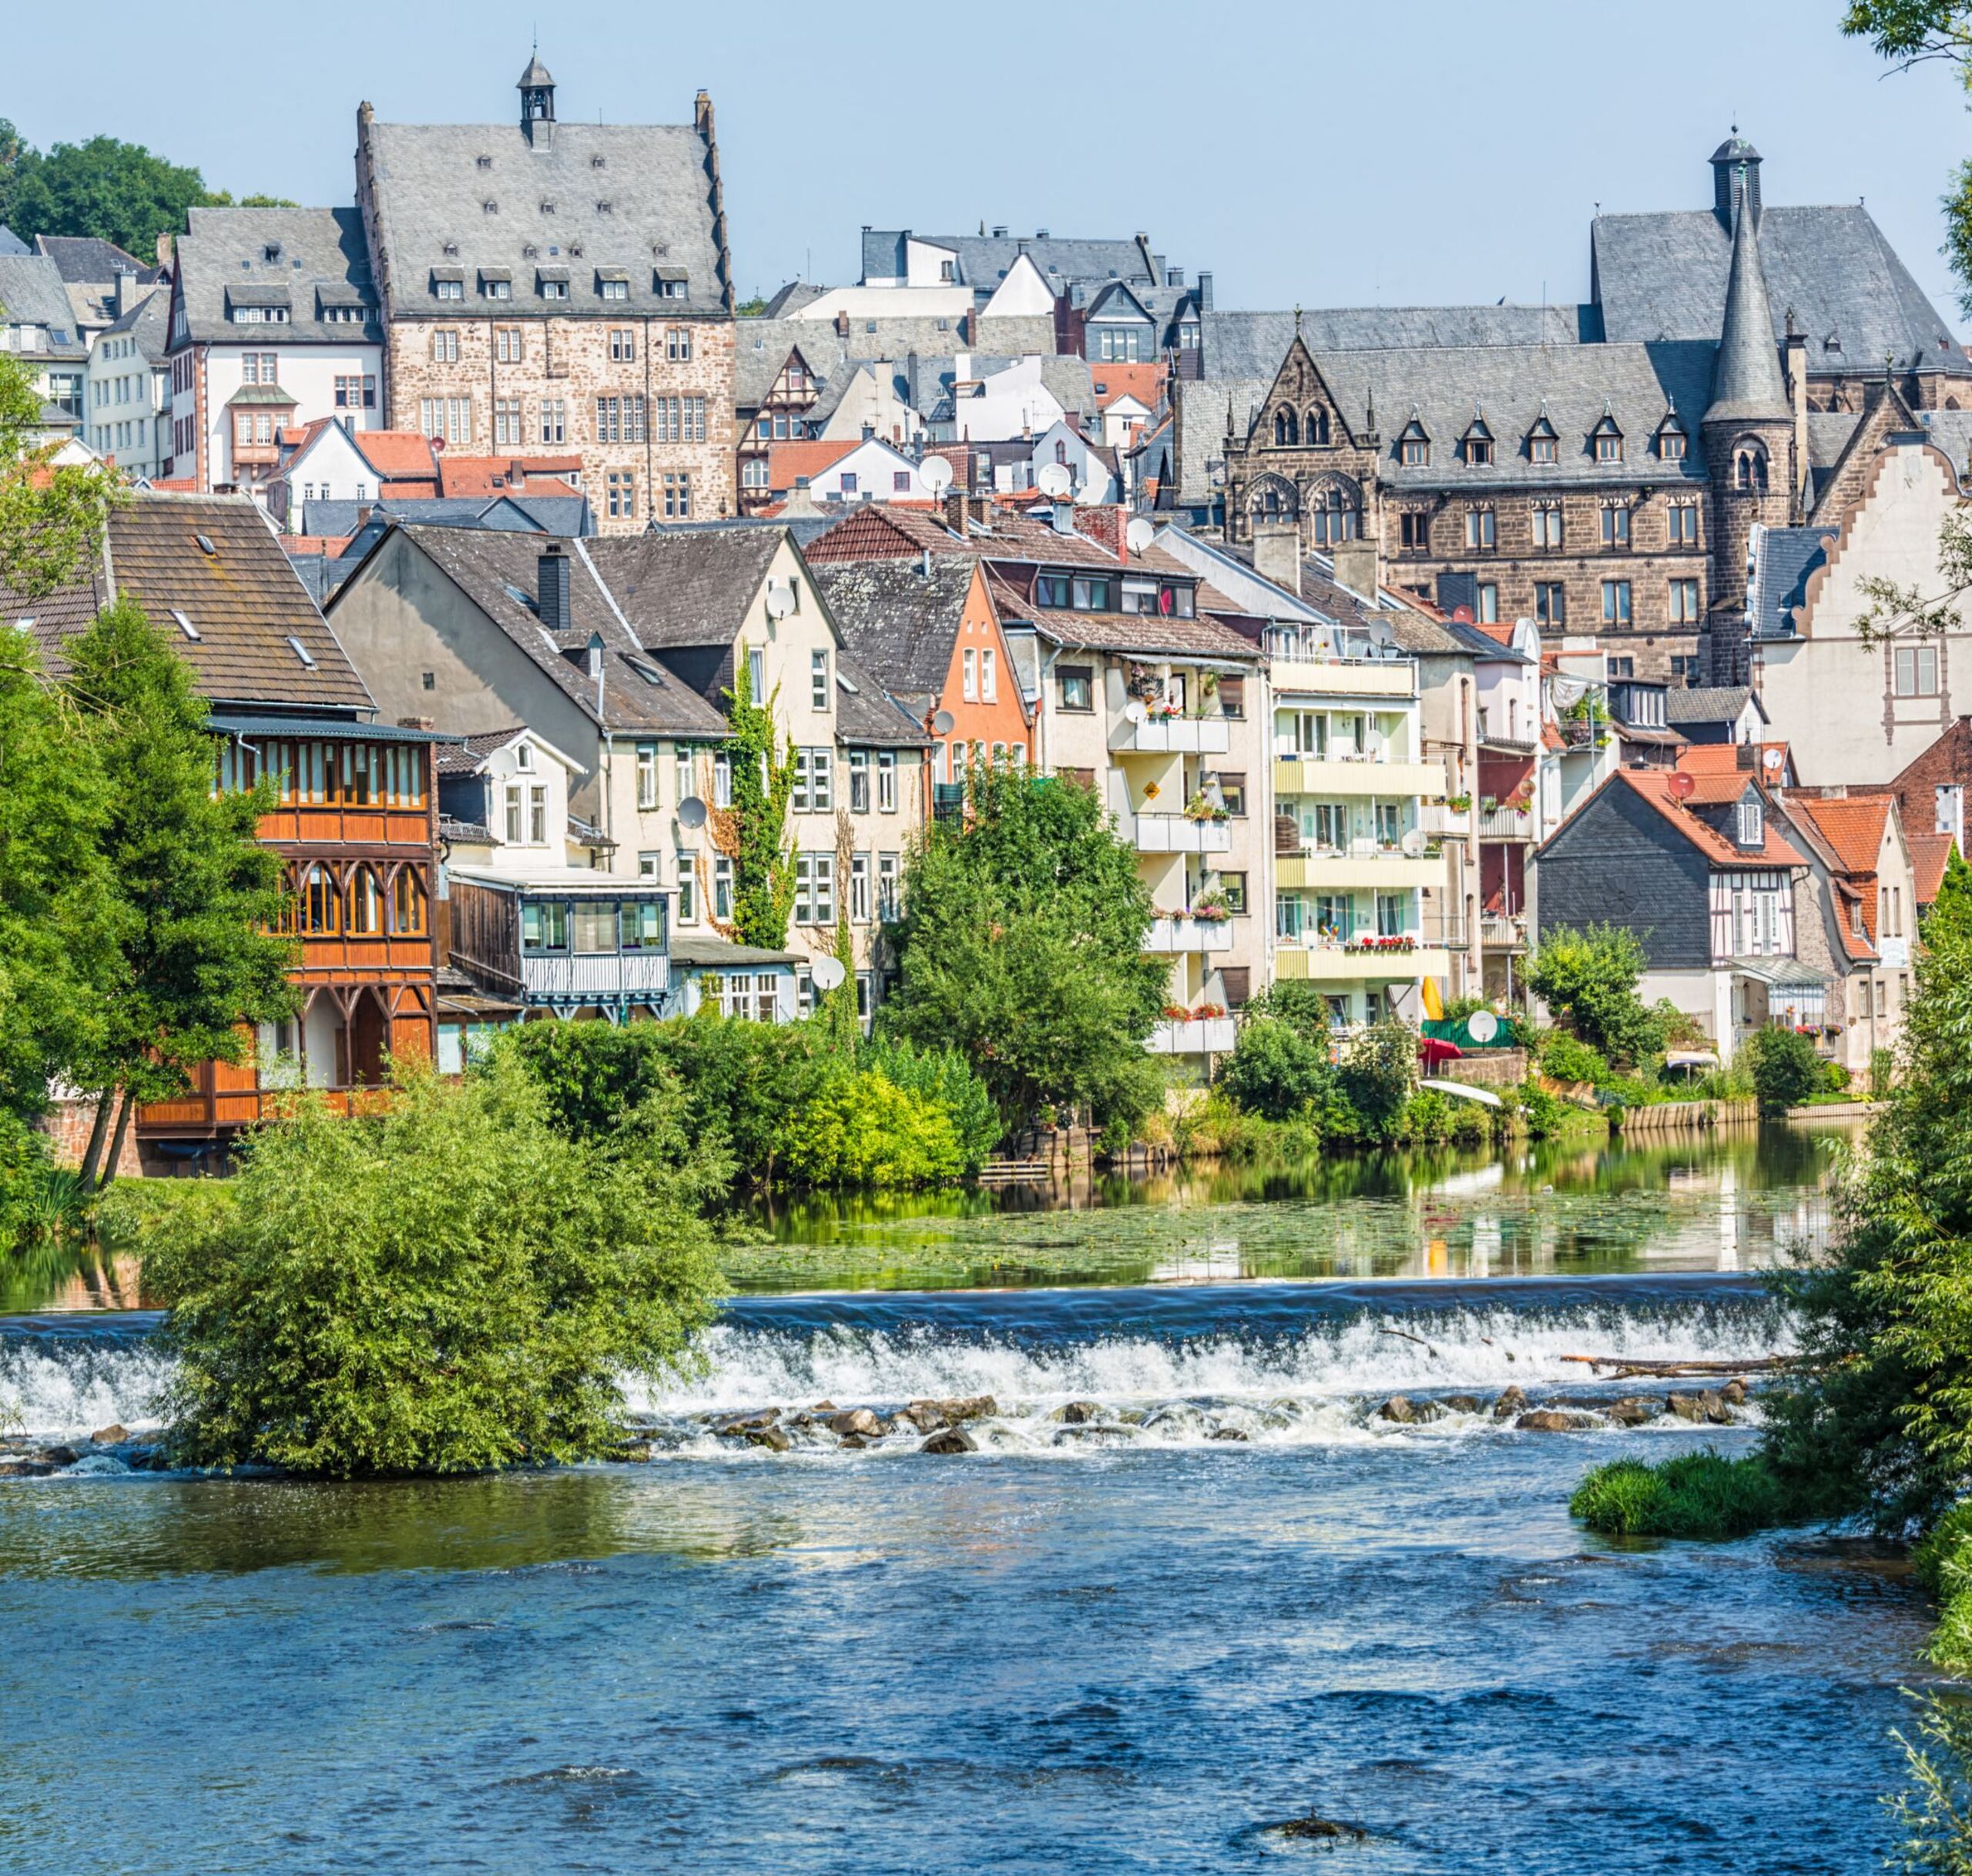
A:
x: 560, y: 286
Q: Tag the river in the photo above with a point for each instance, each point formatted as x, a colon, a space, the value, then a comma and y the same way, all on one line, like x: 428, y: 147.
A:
x: 1139, y: 1638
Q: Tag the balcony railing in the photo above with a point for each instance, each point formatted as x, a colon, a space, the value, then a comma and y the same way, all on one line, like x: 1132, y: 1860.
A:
x: 1320, y: 963
x: 1387, y: 776
x: 1176, y: 833
x: 1200, y: 1036
x: 1176, y: 932
x: 1503, y: 931
x: 1441, y: 822
x: 600, y: 977
x: 1506, y: 823
x: 1175, y: 735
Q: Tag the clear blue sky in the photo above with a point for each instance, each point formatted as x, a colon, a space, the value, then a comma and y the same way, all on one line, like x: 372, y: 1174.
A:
x: 1436, y: 151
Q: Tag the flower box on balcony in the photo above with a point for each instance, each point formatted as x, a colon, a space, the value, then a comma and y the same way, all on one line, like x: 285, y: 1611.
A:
x: 1404, y: 943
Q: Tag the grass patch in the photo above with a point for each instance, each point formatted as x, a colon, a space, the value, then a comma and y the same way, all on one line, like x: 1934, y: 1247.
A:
x: 1703, y: 1495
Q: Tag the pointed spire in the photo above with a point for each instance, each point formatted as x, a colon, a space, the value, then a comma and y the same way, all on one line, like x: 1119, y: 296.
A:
x: 1746, y: 383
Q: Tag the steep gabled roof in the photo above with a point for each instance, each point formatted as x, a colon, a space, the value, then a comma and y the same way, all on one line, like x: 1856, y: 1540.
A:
x: 1653, y: 786
x: 1929, y: 854
x: 686, y: 589
x: 311, y: 258
x: 1716, y: 704
x: 1746, y: 384
x: 900, y: 618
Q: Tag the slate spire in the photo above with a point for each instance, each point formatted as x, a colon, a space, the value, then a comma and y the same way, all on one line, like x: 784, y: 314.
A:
x: 1746, y: 384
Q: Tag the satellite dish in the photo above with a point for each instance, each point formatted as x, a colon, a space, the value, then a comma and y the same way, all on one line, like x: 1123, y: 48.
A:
x: 828, y: 973
x: 1134, y: 710
x: 1680, y: 786
x: 780, y: 602
x: 692, y: 812
x: 1054, y: 479
x: 1414, y: 843
x: 1482, y: 1026
x: 944, y: 723
x: 1139, y: 535
x: 936, y: 473
x: 1773, y: 757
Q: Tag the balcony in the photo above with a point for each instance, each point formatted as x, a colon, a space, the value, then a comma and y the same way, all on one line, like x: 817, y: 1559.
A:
x: 600, y: 977
x: 1503, y: 931
x: 1441, y: 822
x: 1352, y: 677
x: 1335, y: 963
x: 1175, y: 735
x: 1360, y: 774
x: 1376, y: 870
x: 1506, y: 823
x: 1174, y: 833
x: 1201, y: 1036
x: 1174, y: 932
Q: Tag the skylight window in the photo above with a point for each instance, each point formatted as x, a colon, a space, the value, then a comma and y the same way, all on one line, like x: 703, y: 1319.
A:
x: 205, y: 545
x: 185, y: 625
x: 301, y: 652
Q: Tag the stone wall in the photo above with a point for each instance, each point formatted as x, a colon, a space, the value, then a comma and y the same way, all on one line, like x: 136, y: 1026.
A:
x: 67, y: 1125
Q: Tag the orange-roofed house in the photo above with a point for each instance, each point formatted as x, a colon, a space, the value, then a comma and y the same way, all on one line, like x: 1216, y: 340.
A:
x: 460, y: 477
x: 848, y: 473
x: 330, y: 459
x: 1701, y: 868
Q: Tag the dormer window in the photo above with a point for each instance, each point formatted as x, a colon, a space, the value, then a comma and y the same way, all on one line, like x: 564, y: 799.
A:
x: 1413, y: 446
x: 1670, y: 441
x: 1543, y: 444
x: 485, y: 162
x: 1753, y: 830
x: 1477, y: 444
x: 1608, y: 440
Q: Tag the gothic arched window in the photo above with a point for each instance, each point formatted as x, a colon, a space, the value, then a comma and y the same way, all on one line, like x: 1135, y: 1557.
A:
x: 1317, y: 431
x: 1749, y: 468
x: 1332, y: 518
x: 1286, y: 427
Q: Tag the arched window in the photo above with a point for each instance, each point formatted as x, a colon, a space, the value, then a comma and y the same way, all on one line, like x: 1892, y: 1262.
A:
x: 1318, y: 428
x: 1286, y: 427
x: 1332, y: 519
x: 317, y: 905
x: 1749, y: 468
x: 366, y: 905
x: 408, y: 905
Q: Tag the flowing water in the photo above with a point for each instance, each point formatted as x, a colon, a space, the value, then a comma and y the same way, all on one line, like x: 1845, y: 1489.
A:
x: 1193, y: 1583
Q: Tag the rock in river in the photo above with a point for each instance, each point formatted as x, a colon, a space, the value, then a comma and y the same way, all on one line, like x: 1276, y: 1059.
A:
x: 952, y: 1439
x: 853, y: 1420
x: 1551, y: 1420
x: 1399, y: 1408
x: 116, y: 1435
x: 1077, y: 1413
x: 1634, y: 1410
x: 1512, y: 1402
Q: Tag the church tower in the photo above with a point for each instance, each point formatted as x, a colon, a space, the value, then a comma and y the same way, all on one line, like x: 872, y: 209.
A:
x: 1748, y: 436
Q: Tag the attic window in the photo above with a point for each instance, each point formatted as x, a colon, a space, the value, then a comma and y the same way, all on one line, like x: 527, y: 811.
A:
x: 452, y: 249
x: 24, y: 625
x: 272, y: 250
x: 1670, y: 442
x: 205, y: 545
x: 844, y: 683
x: 547, y: 208
x: 1752, y: 831
x: 1608, y: 441
x: 491, y: 207
x: 605, y: 208
x: 1414, y: 446
x: 185, y: 625
x: 485, y: 162
x: 1478, y: 444
x: 1543, y: 444
x: 301, y: 652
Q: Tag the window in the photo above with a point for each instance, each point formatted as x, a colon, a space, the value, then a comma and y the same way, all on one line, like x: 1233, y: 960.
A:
x: 677, y: 495
x: 969, y: 682
x: 1415, y: 533
x: 1232, y: 698
x: 859, y: 781
x: 753, y: 471
x: 678, y: 344
x: 508, y: 345
x: 749, y: 995
x: 1684, y: 668
x: 619, y: 420
x: 1479, y: 535
x: 1092, y: 594
x: 848, y: 482
x: 859, y: 889
x: 1751, y: 831
x: 1684, y: 602
x: 449, y: 419
x: 1077, y: 684
x: 408, y: 904
x: 1615, y: 526
x: 1680, y: 523
x: 814, y: 889
x: 594, y: 928
x: 682, y: 419
x: 814, y: 774
x: 818, y: 680
x: 1478, y: 449
x: 899, y: 481
x: 688, y: 889
x: 1489, y: 605
x: 1392, y: 910
x: 553, y: 289
x: 507, y: 431
x: 616, y: 289
x: 620, y: 492
x: 1233, y: 887
x: 1550, y: 603
x: 497, y: 289
x: 1622, y: 668
x: 1414, y: 452
x: 1123, y: 345
x: 989, y: 681
x: 1232, y: 793
x: 646, y: 775
x: 1331, y: 519
x: 1547, y: 517
x: 641, y: 927
x: 1917, y: 670
x: 448, y: 289
x: 622, y: 339
x: 259, y: 367
x: 537, y: 815
x: 1543, y: 446
x: 1615, y: 602
x: 1608, y: 443
x: 887, y: 880
x: 1671, y: 444
x: 722, y: 889
x: 544, y: 926
x: 554, y: 420
x: 887, y: 782
x: 756, y: 676
x: 318, y: 906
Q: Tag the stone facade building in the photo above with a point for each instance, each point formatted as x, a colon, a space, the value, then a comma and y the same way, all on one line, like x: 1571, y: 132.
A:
x: 561, y: 286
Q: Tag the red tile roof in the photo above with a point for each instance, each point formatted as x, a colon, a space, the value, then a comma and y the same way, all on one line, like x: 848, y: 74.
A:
x: 1929, y: 853
x: 398, y: 455
x: 1654, y: 785
x: 1853, y: 824
x: 1145, y: 383
x: 787, y: 460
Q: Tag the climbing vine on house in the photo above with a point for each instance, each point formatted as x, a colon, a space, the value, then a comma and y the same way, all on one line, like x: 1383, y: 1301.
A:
x: 762, y: 784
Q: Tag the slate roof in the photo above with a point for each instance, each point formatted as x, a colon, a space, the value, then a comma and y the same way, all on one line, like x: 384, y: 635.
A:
x: 1784, y: 562
x: 509, y: 513
x: 1251, y: 345
x: 655, y: 178
x: 761, y: 347
x: 1703, y: 704
x: 678, y: 590
x: 900, y: 621
x: 983, y: 261
x: 10, y: 242
x: 149, y: 322
x: 1663, y: 277
x: 1147, y: 634
x: 1746, y: 384
x: 500, y: 573
x: 468, y: 756
x: 84, y: 260
x: 1654, y: 785
x: 32, y: 294
x: 320, y: 258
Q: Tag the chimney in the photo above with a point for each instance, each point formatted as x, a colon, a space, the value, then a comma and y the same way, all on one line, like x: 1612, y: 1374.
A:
x: 1174, y: 276
x: 999, y: 234
x: 126, y: 292
x: 1355, y: 566
x: 1104, y: 525
x: 1205, y: 293
x: 1277, y: 553
x: 165, y: 245
x: 552, y: 592
x: 955, y: 509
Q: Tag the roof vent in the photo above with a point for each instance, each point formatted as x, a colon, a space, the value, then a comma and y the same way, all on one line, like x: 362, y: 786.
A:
x: 999, y: 234
x: 205, y: 545
x: 301, y: 652
x: 185, y: 625
x: 272, y: 250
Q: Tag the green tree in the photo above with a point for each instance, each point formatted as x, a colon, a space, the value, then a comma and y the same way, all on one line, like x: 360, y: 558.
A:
x: 1786, y: 1069
x: 197, y: 957
x: 762, y: 769
x: 1952, y: 909
x: 943, y: 1076
x: 1021, y: 946
x: 1588, y: 979
x: 448, y: 1285
x: 1377, y: 1076
x: 51, y: 515
x: 1276, y: 1071
x: 859, y: 1128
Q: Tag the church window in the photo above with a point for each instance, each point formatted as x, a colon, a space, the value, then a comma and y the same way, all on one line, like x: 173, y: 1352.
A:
x: 1317, y: 432
x: 1287, y: 427
x: 1332, y: 518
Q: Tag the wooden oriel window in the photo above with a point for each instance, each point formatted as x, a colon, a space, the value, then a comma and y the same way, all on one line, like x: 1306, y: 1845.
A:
x: 408, y: 905
x: 318, y: 905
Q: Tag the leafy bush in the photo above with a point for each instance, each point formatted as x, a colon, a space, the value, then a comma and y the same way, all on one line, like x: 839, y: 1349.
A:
x: 1276, y: 1071
x: 1426, y: 1119
x: 1542, y: 1113
x: 1835, y: 1077
x: 449, y: 1284
x: 1566, y: 1058
x: 1785, y: 1070
x: 1694, y: 1495
x: 1378, y: 1073
x: 859, y: 1128
x: 1215, y: 1128
x: 944, y: 1076
x: 1301, y: 1006
x: 1588, y: 978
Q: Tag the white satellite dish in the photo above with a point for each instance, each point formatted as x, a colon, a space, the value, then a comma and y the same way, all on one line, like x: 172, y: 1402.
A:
x: 1139, y: 535
x: 936, y: 473
x: 692, y: 812
x: 1482, y: 1026
x: 944, y: 723
x: 1134, y: 710
x: 1414, y: 843
x: 780, y: 601
x: 1773, y: 757
x: 828, y: 973
x: 1054, y: 479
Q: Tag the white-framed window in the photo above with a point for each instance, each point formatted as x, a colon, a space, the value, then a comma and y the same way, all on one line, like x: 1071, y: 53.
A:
x: 686, y: 765
x: 969, y: 681
x: 814, y: 781
x: 722, y: 889
x: 989, y: 681
x: 722, y: 780
x: 1482, y: 531
x: 650, y: 866
x: 554, y: 420
x: 1751, y: 832
x: 814, y: 889
x: 818, y: 680
x: 516, y: 823
x: 646, y: 775
x: 887, y: 781
x: 536, y: 815
x: 1615, y: 599
x: 1917, y: 670
x: 859, y: 781
x: 756, y: 675
x: 688, y: 889
x: 1489, y: 603
x: 859, y: 889
x: 448, y: 418
x: 889, y: 869
x: 507, y: 431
